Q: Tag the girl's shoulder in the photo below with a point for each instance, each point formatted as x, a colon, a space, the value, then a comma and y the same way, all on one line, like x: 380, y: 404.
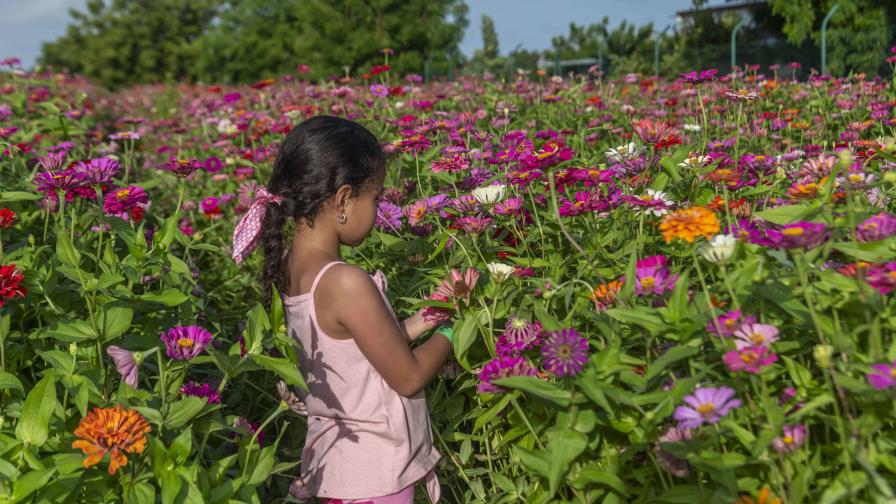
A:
x: 344, y: 278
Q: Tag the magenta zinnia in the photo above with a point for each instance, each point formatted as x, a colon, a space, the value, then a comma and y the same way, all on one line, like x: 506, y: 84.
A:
x: 502, y: 367
x: 749, y: 359
x: 205, y: 390
x: 185, y: 342
x: 121, y: 202
x: 883, y: 376
x: 564, y: 352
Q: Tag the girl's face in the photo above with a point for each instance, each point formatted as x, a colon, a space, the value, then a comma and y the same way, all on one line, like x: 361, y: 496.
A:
x: 360, y: 213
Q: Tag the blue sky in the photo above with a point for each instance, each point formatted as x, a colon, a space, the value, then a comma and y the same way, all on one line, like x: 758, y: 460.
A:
x: 24, y: 24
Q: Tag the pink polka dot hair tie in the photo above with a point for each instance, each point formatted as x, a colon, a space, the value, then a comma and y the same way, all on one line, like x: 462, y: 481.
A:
x: 247, y: 234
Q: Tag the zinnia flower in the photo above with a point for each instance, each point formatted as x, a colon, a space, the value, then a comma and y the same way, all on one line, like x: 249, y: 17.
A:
x: 388, y: 216
x: 674, y: 465
x: 502, y: 367
x: 292, y: 402
x: 499, y: 271
x: 7, y: 218
x: 185, y: 342
x: 564, y: 352
x: 793, y: 437
x: 653, y: 277
x: 750, y: 359
x: 765, y: 497
x: 604, y: 294
x: 883, y: 377
x: 876, y: 228
x: 11, y: 283
x: 125, y: 364
x: 205, y: 390
x: 705, y: 405
x: 489, y: 195
x: 123, y: 202
x: 882, y: 277
x: 798, y: 235
x: 125, y: 135
x: 474, y: 225
x: 182, y: 167
x: 519, y: 334
x: 689, y: 223
x: 741, y: 95
x: 755, y: 335
x: 458, y: 285
x: 99, y: 171
x: 719, y: 249
x: 115, y: 431
x: 725, y: 325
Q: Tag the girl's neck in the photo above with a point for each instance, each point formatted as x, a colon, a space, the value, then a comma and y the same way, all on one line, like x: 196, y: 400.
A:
x: 312, y: 244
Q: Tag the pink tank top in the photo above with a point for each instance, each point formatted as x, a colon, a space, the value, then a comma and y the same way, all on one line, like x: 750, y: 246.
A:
x: 364, y: 439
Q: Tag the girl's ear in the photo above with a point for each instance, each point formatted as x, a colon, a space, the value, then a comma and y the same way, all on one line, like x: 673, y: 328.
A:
x: 343, y: 194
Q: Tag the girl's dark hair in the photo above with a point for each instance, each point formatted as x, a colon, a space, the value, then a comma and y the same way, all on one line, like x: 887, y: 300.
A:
x: 317, y: 157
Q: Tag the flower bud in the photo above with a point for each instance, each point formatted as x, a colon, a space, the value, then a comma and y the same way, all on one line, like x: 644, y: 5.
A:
x: 822, y: 355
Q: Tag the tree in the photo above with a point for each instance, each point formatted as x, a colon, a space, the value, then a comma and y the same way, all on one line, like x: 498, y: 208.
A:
x: 489, y: 56
x: 627, y: 48
x: 132, y: 41
x: 858, y: 33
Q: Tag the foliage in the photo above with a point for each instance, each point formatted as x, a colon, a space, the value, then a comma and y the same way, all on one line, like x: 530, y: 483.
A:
x: 591, y: 365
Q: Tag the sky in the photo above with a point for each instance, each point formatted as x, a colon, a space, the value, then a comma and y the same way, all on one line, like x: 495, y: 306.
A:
x: 24, y: 24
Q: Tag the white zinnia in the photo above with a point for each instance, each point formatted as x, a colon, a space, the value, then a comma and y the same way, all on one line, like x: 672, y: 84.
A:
x: 226, y: 127
x: 489, y: 195
x: 654, y: 195
x: 719, y: 249
x: 624, y: 153
x: 694, y: 162
x: 499, y: 271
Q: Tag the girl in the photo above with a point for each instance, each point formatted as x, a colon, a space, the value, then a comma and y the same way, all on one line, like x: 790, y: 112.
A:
x: 369, y: 437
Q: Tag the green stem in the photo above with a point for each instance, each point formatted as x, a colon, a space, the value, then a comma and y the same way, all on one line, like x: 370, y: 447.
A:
x: 280, y: 409
x: 522, y: 414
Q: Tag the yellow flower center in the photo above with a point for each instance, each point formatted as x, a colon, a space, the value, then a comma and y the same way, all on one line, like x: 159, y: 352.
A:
x: 122, y: 194
x: 794, y: 231
x: 730, y: 323
x: 757, y: 338
x: 788, y: 439
x: 185, y: 343
x: 893, y: 372
x: 564, y: 351
x: 706, y: 409
x: 648, y: 282
x: 748, y: 357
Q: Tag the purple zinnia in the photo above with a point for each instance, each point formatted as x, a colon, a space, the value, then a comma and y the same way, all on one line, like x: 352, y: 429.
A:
x: 182, y: 167
x: 883, y: 377
x: 213, y: 164
x: 99, y: 171
x: 653, y: 277
x: 502, y: 367
x: 727, y: 324
x: 379, y: 90
x: 53, y: 160
x: 564, y: 352
x: 124, y: 364
x: 50, y: 182
x: 519, y: 334
x: 799, y: 235
x: 676, y: 466
x: 705, y: 405
x: 876, y: 228
x: 388, y: 216
x: 474, y: 225
x: 185, y: 342
x: 201, y: 390
x: 882, y: 277
x: 793, y: 437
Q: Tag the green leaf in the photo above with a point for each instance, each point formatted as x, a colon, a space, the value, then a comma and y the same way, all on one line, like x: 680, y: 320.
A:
x: 113, y: 320
x: 639, y: 316
x: 594, y: 475
x: 65, y: 251
x: 536, y: 387
x: 26, y: 484
x: 788, y: 214
x: 70, y: 332
x: 465, y: 335
x: 142, y: 493
x: 34, y: 423
x: 12, y: 196
x: 872, y: 252
x: 168, y: 297
x: 547, y: 320
x: 674, y: 354
x: 564, y: 445
x: 262, y: 467
x: 257, y: 326
x: 681, y: 494
x: 180, y: 447
x: 9, y: 381
x: 285, y: 369
x: 164, y: 239
x: 535, y: 461
x: 491, y: 413
x: 181, y: 412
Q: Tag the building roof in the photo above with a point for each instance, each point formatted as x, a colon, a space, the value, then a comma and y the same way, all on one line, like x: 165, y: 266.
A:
x: 728, y: 6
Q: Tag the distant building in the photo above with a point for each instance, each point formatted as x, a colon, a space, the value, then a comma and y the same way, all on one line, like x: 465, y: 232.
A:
x: 741, y: 8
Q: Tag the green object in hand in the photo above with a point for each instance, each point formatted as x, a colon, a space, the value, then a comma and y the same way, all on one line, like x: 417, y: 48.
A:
x: 447, y: 332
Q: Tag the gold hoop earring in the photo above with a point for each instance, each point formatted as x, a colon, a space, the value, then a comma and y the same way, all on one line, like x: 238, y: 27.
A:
x: 340, y: 218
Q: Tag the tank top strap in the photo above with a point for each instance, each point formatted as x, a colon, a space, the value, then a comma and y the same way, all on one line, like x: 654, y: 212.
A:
x: 319, y: 275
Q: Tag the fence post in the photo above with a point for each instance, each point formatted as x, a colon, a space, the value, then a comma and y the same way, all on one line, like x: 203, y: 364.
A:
x: 557, y: 69
x: 740, y: 24
x: 600, y: 58
x: 824, y: 38
x: 656, y: 51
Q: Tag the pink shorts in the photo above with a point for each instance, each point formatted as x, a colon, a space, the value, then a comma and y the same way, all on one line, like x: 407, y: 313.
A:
x: 404, y: 496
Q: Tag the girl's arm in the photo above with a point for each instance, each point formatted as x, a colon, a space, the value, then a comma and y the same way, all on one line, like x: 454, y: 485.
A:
x: 350, y: 303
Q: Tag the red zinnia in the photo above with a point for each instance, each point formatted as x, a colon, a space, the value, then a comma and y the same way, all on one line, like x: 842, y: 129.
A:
x: 7, y: 218
x: 378, y: 69
x: 11, y: 283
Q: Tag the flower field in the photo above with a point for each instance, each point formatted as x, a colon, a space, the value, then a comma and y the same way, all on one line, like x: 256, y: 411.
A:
x: 684, y: 295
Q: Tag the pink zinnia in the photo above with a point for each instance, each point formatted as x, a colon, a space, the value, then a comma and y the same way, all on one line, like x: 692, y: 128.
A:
x: 750, y: 359
x: 705, y: 405
x: 185, y: 342
x: 883, y: 377
x: 755, y: 335
x: 124, y: 364
x: 451, y: 164
x: 458, y: 285
x: 474, y: 225
x: 727, y: 324
x: 882, y: 277
x: 793, y: 436
x: 120, y: 202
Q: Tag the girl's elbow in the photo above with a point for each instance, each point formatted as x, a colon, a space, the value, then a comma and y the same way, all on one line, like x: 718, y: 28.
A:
x: 407, y: 387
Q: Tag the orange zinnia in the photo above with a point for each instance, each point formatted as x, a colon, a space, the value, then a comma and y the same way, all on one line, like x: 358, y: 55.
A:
x: 689, y: 223
x: 765, y: 497
x: 604, y: 294
x: 111, y: 430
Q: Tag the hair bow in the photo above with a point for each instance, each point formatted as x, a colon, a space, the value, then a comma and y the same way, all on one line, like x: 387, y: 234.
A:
x: 248, y: 232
